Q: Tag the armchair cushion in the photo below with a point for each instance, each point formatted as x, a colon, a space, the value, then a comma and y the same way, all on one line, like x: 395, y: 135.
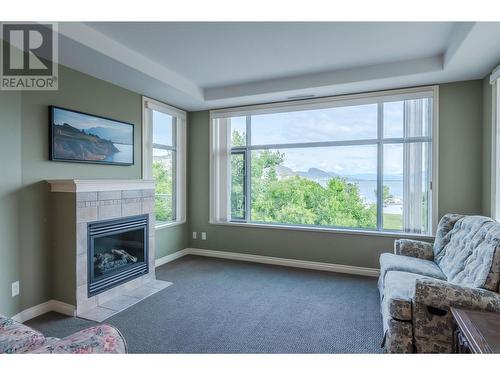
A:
x: 420, y: 267
x: 471, y: 257
x: 443, y: 235
x: 414, y: 248
x: 398, y: 294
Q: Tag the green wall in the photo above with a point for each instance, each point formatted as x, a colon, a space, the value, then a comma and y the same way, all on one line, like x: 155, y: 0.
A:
x: 25, y: 204
x: 460, y: 187
x: 460, y: 147
x: 10, y: 180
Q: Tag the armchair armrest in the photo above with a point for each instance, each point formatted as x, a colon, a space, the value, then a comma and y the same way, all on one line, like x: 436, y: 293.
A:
x: 414, y: 248
x: 443, y: 295
x: 99, y: 339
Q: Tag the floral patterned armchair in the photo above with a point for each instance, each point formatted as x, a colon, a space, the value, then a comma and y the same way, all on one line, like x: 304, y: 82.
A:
x: 17, y: 338
x: 421, y: 281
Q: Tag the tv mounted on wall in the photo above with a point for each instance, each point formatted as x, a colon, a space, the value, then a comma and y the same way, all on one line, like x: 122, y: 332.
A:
x: 85, y: 138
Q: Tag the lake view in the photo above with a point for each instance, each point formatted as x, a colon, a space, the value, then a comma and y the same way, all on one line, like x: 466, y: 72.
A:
x: 123, y: 156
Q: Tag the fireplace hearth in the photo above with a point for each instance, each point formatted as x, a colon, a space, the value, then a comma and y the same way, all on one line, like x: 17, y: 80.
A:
x: 117, y: 252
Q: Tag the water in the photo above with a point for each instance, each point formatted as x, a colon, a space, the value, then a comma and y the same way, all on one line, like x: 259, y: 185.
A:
x: 367, y: 187
x: 124, y: 155
x: 367, y: 190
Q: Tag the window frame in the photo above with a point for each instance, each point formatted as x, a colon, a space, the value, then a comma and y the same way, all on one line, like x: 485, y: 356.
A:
x: 179, y: 159
x: 495, y: 143
x: 217, y: 164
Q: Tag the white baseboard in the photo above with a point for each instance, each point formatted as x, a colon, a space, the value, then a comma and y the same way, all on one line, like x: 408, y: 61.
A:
x: 341, y: 268
x: 171, y: 257
x: 43, y: 308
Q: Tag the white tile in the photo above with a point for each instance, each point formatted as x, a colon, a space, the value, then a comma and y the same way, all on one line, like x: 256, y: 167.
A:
x: 97, y: 314
x: 141, y: 292
x: 130, y: 209
x: 158, y: 284
x: 81, y: 269
x: 131, y: 285
x: 148, y: 192
x: 87, y: 196
x: 86, y: 304
x: 109, y: 195
x: 85, y: 214
x: 81, y: 293
x: 148, y: 278
x: 109, y: 211
x: 148, y: 205
x: 81, y: 239
x: 120, y: 303
x: 152, y: 222
x: 111, y: 294
x: 131, y: 194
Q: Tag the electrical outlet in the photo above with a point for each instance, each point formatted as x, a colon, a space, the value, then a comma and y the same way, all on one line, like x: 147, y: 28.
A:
x: 195, y: 235
x: 203, y: 236
x: 15, y: 288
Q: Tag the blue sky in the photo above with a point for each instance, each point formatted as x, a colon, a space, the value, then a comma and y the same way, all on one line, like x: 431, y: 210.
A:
x: 82, y: 121
x: 333, y: 124
x: 162, y: 128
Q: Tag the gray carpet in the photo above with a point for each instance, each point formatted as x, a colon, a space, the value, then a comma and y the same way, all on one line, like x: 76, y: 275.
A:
x: 223, y: 306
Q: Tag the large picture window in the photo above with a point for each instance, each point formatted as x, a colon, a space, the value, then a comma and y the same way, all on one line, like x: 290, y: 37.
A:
x: 164, y: 135
x: 360, y: 162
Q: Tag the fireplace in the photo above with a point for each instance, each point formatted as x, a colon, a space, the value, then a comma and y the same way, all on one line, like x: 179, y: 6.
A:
x: 117, y: 252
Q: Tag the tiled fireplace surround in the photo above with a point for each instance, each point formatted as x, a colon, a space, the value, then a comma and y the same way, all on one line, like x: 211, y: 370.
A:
x: 96, y: 200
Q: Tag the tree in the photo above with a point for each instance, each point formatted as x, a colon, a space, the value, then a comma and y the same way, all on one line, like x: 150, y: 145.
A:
x: 295, y: 199
x: 164, y: 188
x: 298, y: 200
x: 237, y: 186
x: 237, y: 139
x: 387, y: 197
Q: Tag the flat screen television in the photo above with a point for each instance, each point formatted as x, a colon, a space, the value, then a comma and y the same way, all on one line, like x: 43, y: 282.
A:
x: 85, y: 138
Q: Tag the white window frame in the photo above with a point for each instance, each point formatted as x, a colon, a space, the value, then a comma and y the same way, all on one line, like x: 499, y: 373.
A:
x: 495, y: 143
x: 148, y: 105
x: 220, y: 166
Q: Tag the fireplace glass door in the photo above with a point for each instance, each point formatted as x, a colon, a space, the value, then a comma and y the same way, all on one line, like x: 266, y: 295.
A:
x: 117, y: 252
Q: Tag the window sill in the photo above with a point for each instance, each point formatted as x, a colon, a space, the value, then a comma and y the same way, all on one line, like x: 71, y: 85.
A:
x: 169, y: 224
x: 328, y: 230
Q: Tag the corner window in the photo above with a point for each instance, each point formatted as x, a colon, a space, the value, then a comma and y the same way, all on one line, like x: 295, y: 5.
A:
x: 362, y: 162
x: 164, y: 158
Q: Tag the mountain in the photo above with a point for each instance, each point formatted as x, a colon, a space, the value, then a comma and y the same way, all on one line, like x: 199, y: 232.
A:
x: 373, y: 177
x: 114, y: 135
x: 311, y: 173
x: 284, y: 172
x: 315, y: 173
x: 71, y: 143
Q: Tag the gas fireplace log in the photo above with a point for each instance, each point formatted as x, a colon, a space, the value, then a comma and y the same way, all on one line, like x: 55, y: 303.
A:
x: 124, y: 255
x: 115, y: 258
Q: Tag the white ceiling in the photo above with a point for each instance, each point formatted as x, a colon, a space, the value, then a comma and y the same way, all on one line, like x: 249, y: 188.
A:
x: 211, y: 65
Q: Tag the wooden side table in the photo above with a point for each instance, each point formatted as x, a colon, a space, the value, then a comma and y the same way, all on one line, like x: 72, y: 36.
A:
x: 478, y: 332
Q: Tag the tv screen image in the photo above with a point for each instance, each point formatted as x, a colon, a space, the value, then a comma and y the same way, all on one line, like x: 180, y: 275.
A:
x: 81, y: 137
